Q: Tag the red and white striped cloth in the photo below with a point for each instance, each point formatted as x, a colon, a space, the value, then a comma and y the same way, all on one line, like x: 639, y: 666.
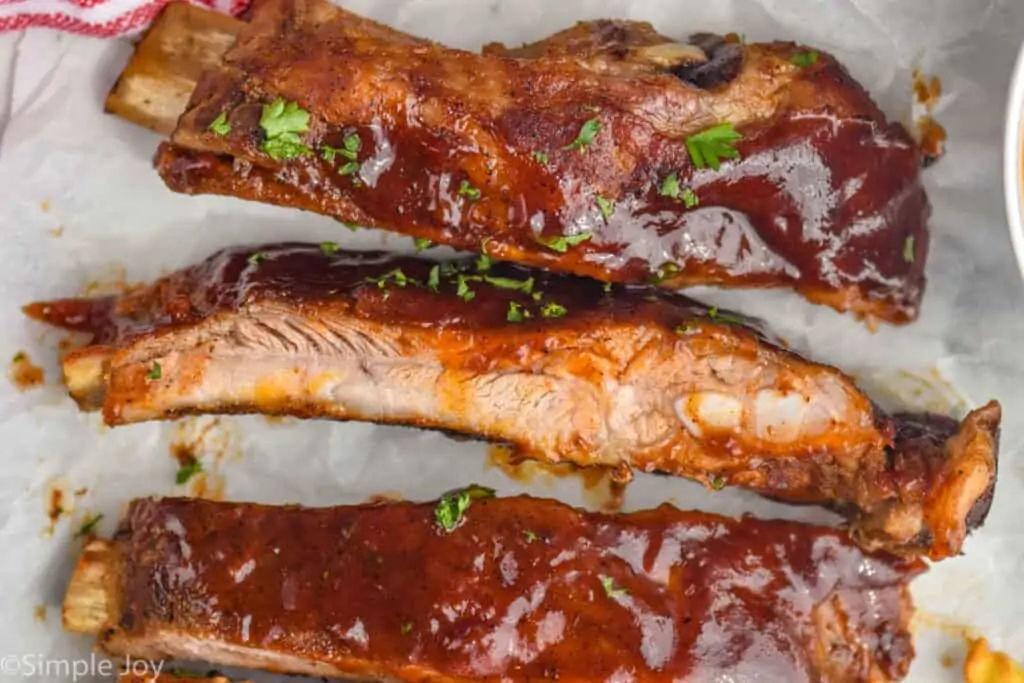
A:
x: 98, y: 18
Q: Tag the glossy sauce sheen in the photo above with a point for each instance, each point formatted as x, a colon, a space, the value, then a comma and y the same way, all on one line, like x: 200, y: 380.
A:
x: 517, y: 592
x: 826, y: 195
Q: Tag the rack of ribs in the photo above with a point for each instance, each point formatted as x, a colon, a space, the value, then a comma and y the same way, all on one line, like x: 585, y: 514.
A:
x: 476, y: 588
x: 563, y: 368
x: 606, y: 150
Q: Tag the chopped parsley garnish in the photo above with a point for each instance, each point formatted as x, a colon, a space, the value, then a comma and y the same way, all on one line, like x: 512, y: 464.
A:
x: 19, y: 356
x: 672, y: 188
x: 453, y: 505
x: 541, y: 158
x: 220, y: 125
x: 468, y: 191
x: 610, y: 590
x: 908, y: 249
x: 805, y: 59
x: 719, y: 317
x: 406, y: 628
x: 257, y: 257
x: 588, y: 131
x: 282, y: 122
x: 483, y: 263
x: 606, y: 288
x: 537, y: 296
x: 718, y: 482
x: 710, y: 146
x: 687, y: 327
x: 462, y: 289
x: 188, y: 470
x: 516, y: 313
x: 510, y: 283
x: 434, y: 279
x: 396, y: 276
x: 422, y: 243
x: 156, y: 371
x: 665, y: 271
x: 553, y: 310
x: 350, y: 168
x: 606, y: 206
x: 330, y: 248
x: 529, y: 536
x: 562, y: 244
x: 88, y: 525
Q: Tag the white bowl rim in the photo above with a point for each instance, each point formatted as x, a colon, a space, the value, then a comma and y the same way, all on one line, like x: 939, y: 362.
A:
x: 1013, y: 159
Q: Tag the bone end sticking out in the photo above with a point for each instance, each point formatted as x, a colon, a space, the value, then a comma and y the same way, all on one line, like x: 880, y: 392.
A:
x: 155, y: 87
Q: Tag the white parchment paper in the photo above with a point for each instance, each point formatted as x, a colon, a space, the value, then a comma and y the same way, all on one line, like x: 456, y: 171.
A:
x: 79, y: 202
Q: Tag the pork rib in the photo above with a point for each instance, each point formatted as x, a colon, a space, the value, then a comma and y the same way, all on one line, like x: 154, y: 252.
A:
x: 517, y: 589
x: 553, y: 364
x: 586, y: 137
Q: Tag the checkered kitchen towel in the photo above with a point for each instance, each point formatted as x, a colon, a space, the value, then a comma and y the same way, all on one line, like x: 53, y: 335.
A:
x: 99, y: 18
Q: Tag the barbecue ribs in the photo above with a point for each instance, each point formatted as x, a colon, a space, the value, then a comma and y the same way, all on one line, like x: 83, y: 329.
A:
x: 563, y: 368
x: 506, y: 589
x: 607, y: 150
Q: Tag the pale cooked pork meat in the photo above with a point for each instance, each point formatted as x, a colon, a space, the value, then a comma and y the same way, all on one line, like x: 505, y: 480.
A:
x: 607, y: 134
x: 561, y: 367
x: 508, y: 589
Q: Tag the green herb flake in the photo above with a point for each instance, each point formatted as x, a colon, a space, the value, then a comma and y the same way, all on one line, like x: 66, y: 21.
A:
x: 610, y: 590
x: 690, y: 198
x: 463, y: 290
x: 350, y: 168
x: 562, y: 244
x: 330, y: 248
x: 352, y: 144
x: 19, y: 357
x: 689, y: 327
x: 188, y: 470
x: 156, y: 371
x: 537, y: 296
x: 434, y: 279
x: 606, y: 206
x: 406, y: 628
x: 805, y: 59
x: 908, y: 249
x: 525, y: 286
x: 606, y: 288
x: 718, y: 482
x: 281, y: 117
x: 282, y: 122
x: 727, y: 318
x: 665, y: 271
x: 328, y: 153
x: 88, y: 525
x: 397, y: 276
x: 529, y: 536
x: 422, y: 243
x: 553, y: 310
x: 468, y: 191
x: 541, y: 158
x: 588, y: 131
x: 220, y: 125
x: 453, y: 505
x: 483, y: 263
x: 670, y: 186
x: 516, y: 313
x: 256, y: 258
x: 710, y: 146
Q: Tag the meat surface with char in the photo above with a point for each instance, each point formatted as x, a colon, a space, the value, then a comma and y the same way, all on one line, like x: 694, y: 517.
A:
x: 561, y: 367
x: 606, y: 150
x: 506, y: 589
